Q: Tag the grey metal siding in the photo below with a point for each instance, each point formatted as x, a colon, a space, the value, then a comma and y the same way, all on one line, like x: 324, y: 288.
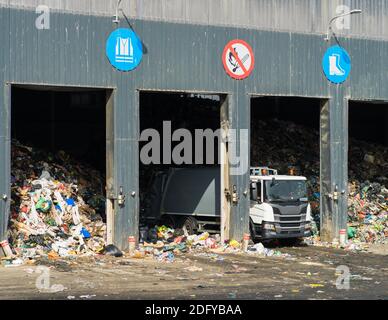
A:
x: 4, y: 133
x: 181, y: 56
x: 303, y: 16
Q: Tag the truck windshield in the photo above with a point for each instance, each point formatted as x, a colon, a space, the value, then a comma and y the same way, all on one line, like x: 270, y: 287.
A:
x: 285, y: 190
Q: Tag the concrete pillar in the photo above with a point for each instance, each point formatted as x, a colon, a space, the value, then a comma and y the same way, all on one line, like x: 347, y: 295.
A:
x: 334, y: 163
x: 240, y: 121
x: 5, y: 159
x: 5, y: 99
x: 126, y: 165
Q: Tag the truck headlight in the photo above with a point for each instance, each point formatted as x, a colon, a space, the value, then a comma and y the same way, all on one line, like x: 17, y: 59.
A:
x: 269, y: 226
x: 307, y: 226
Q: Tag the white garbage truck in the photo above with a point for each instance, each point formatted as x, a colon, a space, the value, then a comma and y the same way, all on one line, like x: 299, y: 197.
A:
x: 279, y: 205
x: 190, y: 198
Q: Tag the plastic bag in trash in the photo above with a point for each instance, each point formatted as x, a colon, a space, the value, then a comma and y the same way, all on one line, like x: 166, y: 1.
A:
x: 112, y: 250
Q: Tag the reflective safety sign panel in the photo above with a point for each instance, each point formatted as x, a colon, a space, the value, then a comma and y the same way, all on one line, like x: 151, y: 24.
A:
x: 336, y: 64
x: 124, y: 49
x: 238, y: 59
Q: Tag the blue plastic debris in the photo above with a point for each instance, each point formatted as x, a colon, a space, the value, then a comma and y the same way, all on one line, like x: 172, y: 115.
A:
x: 70, y: 202
x: 85, y: 233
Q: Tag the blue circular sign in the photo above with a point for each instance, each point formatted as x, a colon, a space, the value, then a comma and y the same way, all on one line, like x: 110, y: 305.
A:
x: 336, y: 64
x: 124, y: 49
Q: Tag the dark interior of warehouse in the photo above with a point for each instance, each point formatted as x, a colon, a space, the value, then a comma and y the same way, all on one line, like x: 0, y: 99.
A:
x: 303, y: 111
x: 65, y: 128
x: 368, y: 122
x: 285, y: 133
x: 73, y: 121
x: 187, y: 111
x: 368, y: 141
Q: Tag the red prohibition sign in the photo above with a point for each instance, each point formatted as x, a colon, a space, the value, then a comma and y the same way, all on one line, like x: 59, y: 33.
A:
x: 238, y: 59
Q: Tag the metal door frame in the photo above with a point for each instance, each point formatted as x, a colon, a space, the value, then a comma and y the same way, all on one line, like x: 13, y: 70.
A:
x: 110, y: 133
x: 224, y: 115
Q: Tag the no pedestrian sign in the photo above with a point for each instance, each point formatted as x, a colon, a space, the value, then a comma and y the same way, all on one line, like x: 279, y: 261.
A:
x: 238, y: 59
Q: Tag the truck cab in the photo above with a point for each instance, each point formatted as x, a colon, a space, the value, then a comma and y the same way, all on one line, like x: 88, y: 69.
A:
x: 279, y: 205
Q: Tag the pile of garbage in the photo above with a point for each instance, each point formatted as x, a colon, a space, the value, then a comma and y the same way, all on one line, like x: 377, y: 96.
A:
x: 283, y: 144
x: 164, y: 244
x: 58, y: 210
x: 368, y: 212
x: 57, y: 206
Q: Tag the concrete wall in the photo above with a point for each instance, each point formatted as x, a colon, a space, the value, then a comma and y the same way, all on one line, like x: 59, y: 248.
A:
x: 182, y: 57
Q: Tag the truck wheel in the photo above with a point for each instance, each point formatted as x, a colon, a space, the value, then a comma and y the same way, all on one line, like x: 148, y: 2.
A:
x: 189, y: 225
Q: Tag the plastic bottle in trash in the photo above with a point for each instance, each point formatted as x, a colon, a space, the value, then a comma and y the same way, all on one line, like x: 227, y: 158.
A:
x: 246, y: 239
x: 4, y: 245
x: 132, y: 245
x: 342, y: 237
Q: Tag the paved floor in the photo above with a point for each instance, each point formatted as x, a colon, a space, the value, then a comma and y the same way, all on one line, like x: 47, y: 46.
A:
x: 308, y: 273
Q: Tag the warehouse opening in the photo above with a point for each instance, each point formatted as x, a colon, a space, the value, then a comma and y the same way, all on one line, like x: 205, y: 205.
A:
x: 285, y: 133
x: 368, y: 143
x: 285, y: 136
x: 61, y: 159
x: 180, y: 180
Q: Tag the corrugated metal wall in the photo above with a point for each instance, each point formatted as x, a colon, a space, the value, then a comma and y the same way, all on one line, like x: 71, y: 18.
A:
x: 185, y: 57
x: 303, y: 16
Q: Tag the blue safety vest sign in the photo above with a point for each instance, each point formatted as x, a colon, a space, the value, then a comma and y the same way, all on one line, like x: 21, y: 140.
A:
x: 124, y: 49
x: 336, y: 64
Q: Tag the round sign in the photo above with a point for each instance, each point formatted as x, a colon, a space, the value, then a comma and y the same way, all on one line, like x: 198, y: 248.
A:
x: 238, y: 59
x: 124, y: 49
x: 336, y: 64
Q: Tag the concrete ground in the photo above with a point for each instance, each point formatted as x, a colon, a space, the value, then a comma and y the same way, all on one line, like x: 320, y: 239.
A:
x: 308, y: 272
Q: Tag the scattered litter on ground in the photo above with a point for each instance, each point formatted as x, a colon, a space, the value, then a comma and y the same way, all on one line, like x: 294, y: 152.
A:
x: 310, y: 263
x: 53, y: 289
x: 165, y: 244
x: 359, y: 277
x: 237, y: 268
x: 193, y: 269
x: 232, y: 295
x: 87, y: 296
